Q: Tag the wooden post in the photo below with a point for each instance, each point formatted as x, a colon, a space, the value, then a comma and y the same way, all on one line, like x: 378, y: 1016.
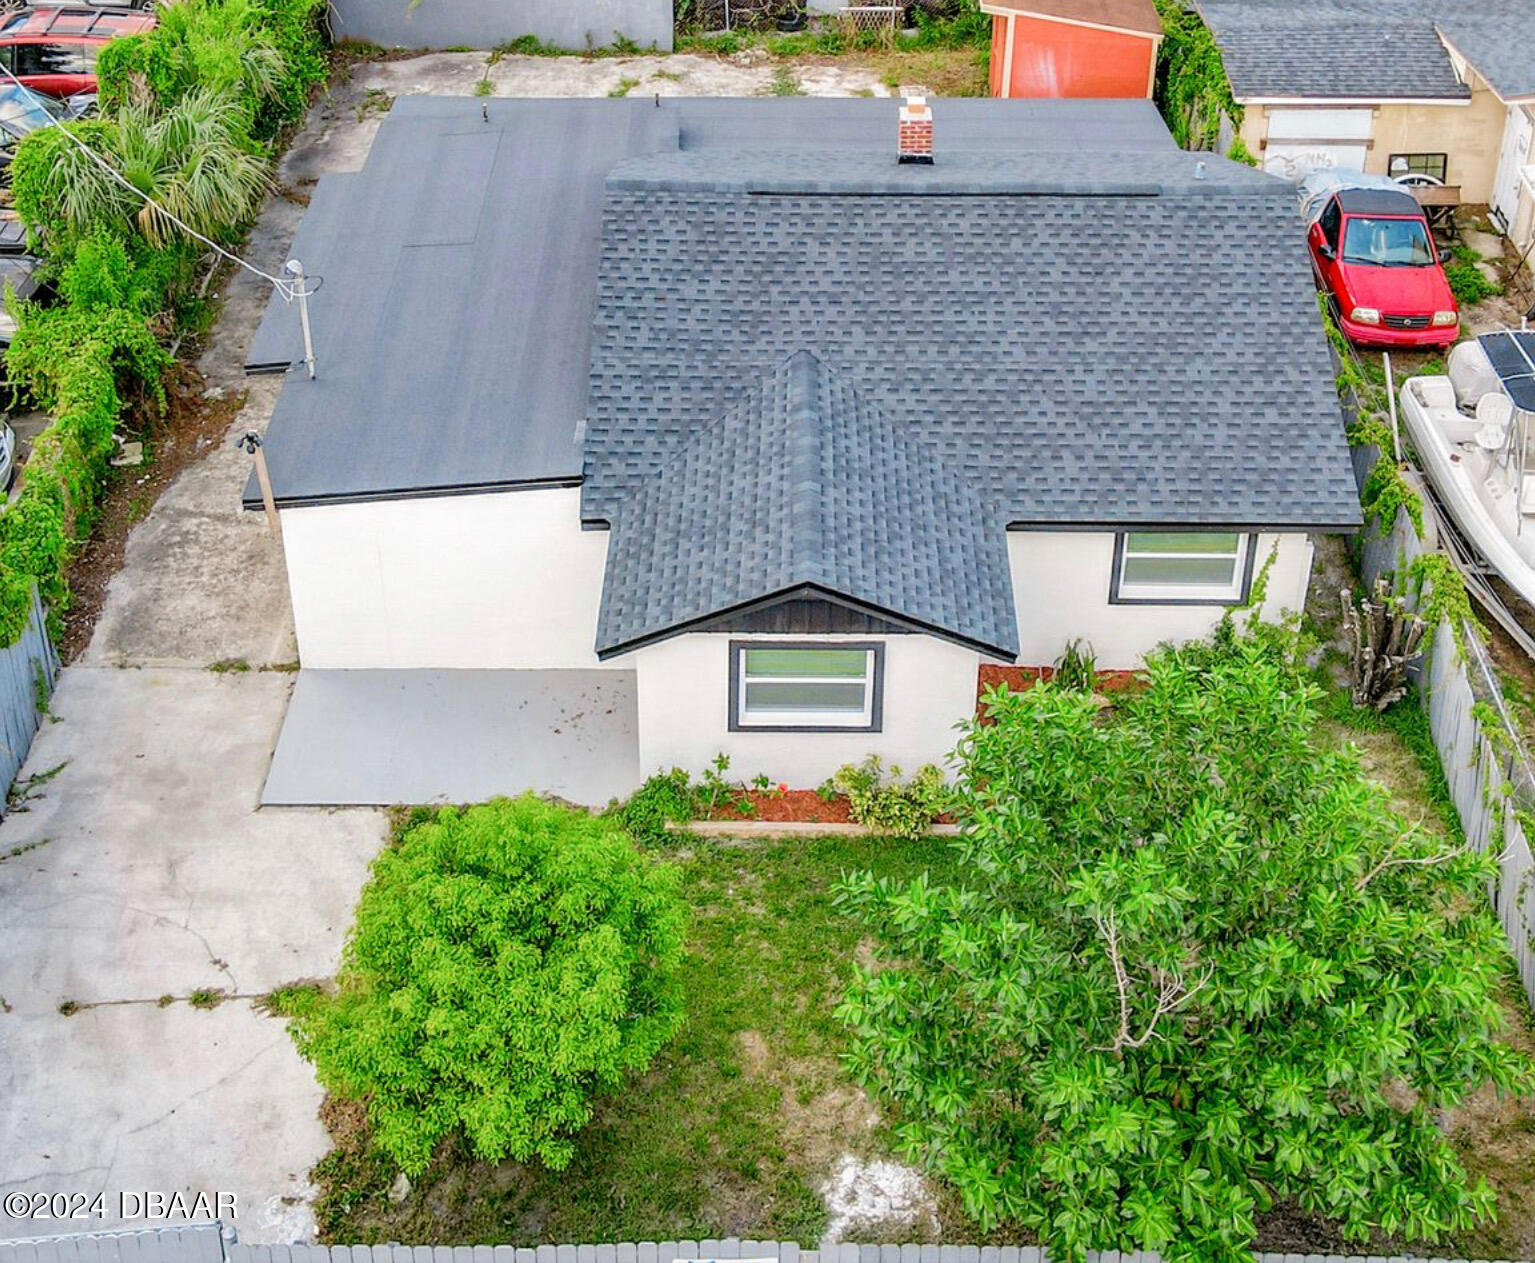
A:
x: 267, y: 501
x: 251, y: 442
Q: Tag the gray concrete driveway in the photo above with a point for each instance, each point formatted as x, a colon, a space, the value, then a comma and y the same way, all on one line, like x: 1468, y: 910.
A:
x: 140, y: 870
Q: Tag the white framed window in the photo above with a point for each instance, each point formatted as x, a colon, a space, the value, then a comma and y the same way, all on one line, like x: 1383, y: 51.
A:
x: 1182, y: 567
x: 806, y: 686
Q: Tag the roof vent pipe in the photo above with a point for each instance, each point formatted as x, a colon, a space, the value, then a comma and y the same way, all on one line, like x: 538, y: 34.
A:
x: 916, y: 139
x: 1199, y: 171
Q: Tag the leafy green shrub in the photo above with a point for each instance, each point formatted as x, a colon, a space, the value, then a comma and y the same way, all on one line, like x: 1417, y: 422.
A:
x: 1195, y: 964
x: 185, y: 110
x: 886, y: 803
x: 1469, y: 285
x: 76, y: 359
x: 665, y: 798
x: 192, y: 157
x: 509, y: 963
x: 1239, y: 152
x: 262, y: 56
x: 1076, y: 668
x: 1192, y: 89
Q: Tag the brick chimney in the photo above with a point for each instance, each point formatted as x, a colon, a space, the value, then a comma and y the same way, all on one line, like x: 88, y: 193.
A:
x: 916, y: 131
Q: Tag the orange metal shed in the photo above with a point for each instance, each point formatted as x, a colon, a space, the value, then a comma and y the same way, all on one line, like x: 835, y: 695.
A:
x: 1073, y: 48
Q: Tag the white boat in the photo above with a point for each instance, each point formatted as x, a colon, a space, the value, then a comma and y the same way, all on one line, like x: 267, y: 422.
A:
x: 1472, y: 433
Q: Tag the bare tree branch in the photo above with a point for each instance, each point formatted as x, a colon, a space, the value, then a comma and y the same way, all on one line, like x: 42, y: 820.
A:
x: 1172, y: 992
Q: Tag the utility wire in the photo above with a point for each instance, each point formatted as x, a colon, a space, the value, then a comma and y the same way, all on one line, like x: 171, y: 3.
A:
x: 288, y: 291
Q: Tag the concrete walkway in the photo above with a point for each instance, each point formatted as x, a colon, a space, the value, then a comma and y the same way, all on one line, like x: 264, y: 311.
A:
x: 138, y: 866
x: 456, y: 737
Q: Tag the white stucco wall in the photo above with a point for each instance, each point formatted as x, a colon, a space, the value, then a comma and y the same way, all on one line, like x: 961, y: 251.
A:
x: 507, y: 579
x: 684, y: 699
x: 1061, y: 591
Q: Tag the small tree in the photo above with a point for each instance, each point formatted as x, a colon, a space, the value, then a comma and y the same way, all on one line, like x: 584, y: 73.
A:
x: 1198, y: 965
x: 509, y: 963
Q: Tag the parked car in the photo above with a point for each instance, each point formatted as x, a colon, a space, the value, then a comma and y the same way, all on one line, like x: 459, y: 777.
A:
x: 54, y: 49
x: 19, y: 273
x: 1375, y: 255
x: 23, y: 111
x: 7, y: 457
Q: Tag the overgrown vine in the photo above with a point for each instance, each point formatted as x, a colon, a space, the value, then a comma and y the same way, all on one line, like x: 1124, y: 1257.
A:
x: 1192, y: 89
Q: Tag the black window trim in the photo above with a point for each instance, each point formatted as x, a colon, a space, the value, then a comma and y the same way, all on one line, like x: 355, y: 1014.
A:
x: 876, y: 702
x: 1421, y: 155
x: 1249, y: 555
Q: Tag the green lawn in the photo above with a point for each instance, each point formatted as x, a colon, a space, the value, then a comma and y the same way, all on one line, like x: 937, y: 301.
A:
x: 737, y: 1124
x: 743, y: 1118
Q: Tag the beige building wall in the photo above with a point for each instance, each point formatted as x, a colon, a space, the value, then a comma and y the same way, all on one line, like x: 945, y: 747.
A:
x: 1471, y: 133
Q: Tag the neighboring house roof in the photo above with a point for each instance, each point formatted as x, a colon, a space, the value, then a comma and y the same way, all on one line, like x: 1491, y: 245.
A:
x: 1371, y: 49
x: 1139, y: 16
x: 453, y: 327
x: 804, y: 484
x: 1052, y: 345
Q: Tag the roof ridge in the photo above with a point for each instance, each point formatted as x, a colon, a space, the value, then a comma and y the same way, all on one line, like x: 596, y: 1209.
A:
x: 805, y: 402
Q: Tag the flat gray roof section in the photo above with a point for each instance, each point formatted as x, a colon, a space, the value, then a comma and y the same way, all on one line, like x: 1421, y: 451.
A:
x: 378, y: 738
x: 453, y: 323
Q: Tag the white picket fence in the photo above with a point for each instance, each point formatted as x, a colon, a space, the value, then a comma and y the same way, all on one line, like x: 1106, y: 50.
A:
x: 1491, y: 776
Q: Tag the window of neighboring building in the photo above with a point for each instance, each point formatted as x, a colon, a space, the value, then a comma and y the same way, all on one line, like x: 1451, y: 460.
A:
x: 1434, y: 164
x: 833, y: 686
x: 1183, y: 567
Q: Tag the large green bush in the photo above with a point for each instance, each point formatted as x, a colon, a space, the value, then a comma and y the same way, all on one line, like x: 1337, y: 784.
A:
x: 1197, y: 965
x: 264, y: 55
x: 77, y: 359
x: 187, y: 111
x: 1192, y: 89
x: 510, y: 962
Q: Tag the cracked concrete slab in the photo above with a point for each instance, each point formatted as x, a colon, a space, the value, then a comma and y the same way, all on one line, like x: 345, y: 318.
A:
x: 141, y: 869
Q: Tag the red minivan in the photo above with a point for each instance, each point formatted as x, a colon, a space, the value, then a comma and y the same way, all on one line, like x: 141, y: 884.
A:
x: 1374, y: 253
x: 54, y: 50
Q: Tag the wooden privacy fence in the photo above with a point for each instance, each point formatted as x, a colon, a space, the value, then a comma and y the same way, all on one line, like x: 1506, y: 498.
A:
x: 1486, y: 763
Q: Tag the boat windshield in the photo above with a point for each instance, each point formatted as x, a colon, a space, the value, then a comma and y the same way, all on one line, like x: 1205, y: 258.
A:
x: 1387, y: 242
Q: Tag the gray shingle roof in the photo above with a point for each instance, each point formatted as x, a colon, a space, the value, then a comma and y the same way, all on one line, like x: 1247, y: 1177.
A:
x: 804, y: 483
x: 1152, y: 360
x: 1372, y: 49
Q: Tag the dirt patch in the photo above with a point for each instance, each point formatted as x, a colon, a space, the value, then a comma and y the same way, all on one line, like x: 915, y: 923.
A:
x: 192, y: 423
x: 1495, y: 1137
x: 824, y: 1116
x: 939, y: 72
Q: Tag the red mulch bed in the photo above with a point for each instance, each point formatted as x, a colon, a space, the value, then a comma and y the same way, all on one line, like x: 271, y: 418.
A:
x: 1019, y: 679
x: 799, y: 806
